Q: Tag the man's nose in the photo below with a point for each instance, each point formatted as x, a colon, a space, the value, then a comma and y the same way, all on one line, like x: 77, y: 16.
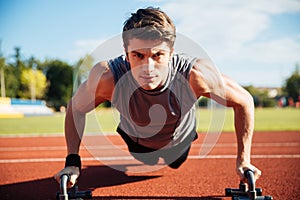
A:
x: 149, y: 65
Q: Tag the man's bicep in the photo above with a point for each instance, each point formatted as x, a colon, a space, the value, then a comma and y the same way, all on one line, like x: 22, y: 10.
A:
x: 89, y: 94
x: 205, y: 79
x: 233, y: 94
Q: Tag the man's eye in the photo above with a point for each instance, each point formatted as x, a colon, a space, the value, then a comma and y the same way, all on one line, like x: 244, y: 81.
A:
x: 138, y: 55
x: 157, y: 55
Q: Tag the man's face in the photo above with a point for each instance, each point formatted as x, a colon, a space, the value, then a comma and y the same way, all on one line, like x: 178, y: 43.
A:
x: 149, y: 62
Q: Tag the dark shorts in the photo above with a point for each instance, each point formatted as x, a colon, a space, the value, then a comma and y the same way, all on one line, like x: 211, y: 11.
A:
x: 173, y: 156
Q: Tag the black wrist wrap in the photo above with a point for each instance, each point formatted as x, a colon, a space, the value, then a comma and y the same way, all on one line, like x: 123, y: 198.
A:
x: 73, y: 160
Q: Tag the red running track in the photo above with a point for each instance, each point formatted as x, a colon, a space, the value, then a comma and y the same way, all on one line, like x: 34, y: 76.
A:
x: 27, y: 166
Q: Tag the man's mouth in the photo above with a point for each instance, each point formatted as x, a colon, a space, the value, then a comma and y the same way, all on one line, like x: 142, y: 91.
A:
x: 148, y: 77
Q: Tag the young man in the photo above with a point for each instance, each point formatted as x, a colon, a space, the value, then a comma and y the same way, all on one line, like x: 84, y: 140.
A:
x: 154, y: 90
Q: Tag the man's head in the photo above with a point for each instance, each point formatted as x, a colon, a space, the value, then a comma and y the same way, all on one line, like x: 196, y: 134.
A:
x: 148, y: 37
x: 149, y: 24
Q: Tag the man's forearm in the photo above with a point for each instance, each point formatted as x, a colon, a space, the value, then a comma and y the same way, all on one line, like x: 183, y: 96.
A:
x: 74, y: 127
x: 244, y: 125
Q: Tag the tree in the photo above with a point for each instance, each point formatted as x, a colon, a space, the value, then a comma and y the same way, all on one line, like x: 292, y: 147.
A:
x: 59, y: 75
x: 260, y: 97
x: 11, y: 82
x: 292, y: 85
x: 34, y: 83
x: 13, y: 75
x: 2, y: 78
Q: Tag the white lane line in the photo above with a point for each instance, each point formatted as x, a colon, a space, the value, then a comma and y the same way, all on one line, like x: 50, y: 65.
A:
x: 286, y: 144
x: 252, y: 156
x: 54, y: 148
x: 51, y: 135
x: 38, y: 160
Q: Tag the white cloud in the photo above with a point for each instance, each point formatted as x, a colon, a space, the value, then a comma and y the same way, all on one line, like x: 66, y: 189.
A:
x: 227, y: 27
x: 274, y: 6
x: 100, y: 49
x: 279, y: 51
x: 151, y: 1
x: 223, y: 25
x: 84, y: 47
x: 231, y: 32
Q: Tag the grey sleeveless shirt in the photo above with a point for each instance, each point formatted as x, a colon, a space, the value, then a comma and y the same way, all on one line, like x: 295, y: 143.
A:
x: 156, y: 119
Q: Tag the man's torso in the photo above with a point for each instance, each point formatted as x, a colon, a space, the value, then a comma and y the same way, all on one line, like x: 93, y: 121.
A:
x: 155, y: 119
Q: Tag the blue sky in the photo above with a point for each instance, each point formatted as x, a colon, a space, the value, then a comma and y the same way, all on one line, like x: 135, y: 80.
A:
x: 255, y: 42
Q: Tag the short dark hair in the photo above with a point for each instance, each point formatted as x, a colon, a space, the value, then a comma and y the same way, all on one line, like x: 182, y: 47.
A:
x: 149, y: 24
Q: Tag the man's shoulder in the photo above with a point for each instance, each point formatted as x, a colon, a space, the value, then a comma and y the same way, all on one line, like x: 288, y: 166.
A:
x: 100, y: 73
x: 101, y: 80
x: 118, y: 62
x: 118, y: 67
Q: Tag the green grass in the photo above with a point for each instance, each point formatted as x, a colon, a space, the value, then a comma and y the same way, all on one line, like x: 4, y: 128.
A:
x: 277, y: 119
x: 106, y: 120
x: 266, y: 119
x: 33, y: 125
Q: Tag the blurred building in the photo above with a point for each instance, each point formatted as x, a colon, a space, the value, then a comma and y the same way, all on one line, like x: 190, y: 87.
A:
x: 18, y: 108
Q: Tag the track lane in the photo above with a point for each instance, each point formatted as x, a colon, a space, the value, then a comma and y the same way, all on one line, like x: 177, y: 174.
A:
x: 196, y: 179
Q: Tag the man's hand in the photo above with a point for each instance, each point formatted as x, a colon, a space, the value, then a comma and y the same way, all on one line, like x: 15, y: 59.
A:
x: 241, y: 167
x: 72, y: 171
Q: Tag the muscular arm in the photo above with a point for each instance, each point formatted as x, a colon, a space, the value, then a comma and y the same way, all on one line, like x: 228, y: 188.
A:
x: 242, y: 103
x: 75, y: 117
x: 206, y: 81
x: 90, y: 94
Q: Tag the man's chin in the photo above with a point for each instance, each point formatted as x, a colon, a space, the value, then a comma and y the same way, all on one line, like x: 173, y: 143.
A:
x: 149, y: 87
